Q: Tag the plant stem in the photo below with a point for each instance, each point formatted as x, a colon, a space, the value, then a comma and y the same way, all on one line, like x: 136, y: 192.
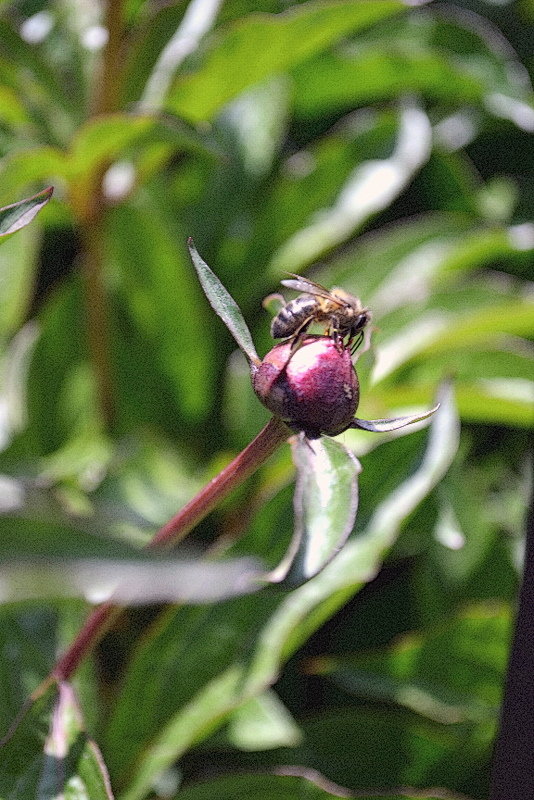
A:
x: 96, y: 308
x: 90, y: 206
x: 108, y: 80
x: 237, y: 471
x: 93, y: 629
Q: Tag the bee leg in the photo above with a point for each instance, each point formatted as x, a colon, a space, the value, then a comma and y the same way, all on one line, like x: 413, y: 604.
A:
x: 355, y: 342
x: 299, y: 337
x: 337, y: 338
x: 274, y: 303
x: 363, y: 337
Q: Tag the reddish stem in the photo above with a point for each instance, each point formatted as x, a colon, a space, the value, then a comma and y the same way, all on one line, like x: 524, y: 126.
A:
x: 237, y: 471
x: 93, y: 629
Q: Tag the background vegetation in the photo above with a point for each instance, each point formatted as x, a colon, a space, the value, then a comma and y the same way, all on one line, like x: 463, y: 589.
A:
x: 383, y: 147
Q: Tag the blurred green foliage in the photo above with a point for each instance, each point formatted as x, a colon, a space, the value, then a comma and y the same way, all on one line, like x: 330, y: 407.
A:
x: 383, y: 147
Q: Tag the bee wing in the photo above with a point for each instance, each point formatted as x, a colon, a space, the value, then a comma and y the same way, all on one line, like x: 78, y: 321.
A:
x: 309, y: 287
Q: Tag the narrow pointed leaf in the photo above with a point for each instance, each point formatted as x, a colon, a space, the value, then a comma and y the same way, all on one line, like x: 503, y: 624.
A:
x: 393, y: 424
x: 17, y: 215
x: 224, y: 305
x: 325, y: 502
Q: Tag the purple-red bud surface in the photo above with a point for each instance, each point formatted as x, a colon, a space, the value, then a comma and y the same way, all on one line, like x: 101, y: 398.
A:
x: 314, y: 390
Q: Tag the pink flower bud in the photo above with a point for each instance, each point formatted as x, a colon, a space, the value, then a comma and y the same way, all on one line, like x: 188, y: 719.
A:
x: 314, y: 390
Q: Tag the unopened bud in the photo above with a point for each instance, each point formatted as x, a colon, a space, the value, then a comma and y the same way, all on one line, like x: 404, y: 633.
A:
x: 315, y: 389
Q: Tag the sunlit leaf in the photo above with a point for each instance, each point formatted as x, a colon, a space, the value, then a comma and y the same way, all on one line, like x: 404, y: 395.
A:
x: 17, y: 215
x: 100, y: 140
x: 128, y: 582
x: 35, y: 165
x: 360, y: 558
x: 354, y: 79
x: 50, y: 560
x: 224, y: 305
x: 325, y: 503
x: 263, y: 45
x: 438, y: 330
x: 468, y: 69
x: 371, y: 187
x: 18, y: 265
x: 12, y: 111
x: 192, y: 682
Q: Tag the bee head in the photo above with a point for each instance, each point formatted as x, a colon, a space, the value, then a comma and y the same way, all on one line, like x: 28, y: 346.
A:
x: 362, y: 319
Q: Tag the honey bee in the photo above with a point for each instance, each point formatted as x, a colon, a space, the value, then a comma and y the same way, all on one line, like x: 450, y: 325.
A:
x: 343, y: 313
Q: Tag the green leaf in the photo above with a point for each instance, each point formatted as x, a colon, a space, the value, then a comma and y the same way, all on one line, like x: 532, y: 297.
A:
x: 325, y: 503
x: 437, y: 331
x: 48, y: 560
x: 35, y: 165
x: 101, y: 140
x: 17, y: 215
x: 56, y: 360
x: 224, y: 305
x: 164, y: 298
x: 69, y: 763
x: 344, y: 80
x: 511, y: 318
x: 372, y: 746
x: 262, y: 45
x: 180, y: 683
x: 466, y: 68
x: 12, y: 111
x: 430, y: 673
x: 52, y: 107
x: 128, y: 582
x: 30, y: 636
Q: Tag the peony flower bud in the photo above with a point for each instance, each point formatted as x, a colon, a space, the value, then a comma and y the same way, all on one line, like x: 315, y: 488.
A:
x: 314, y: 390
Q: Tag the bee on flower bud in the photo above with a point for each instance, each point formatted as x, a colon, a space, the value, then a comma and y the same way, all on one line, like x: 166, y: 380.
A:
x: 342, y: 312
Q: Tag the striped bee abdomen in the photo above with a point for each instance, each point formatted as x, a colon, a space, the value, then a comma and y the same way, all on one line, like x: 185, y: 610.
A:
x: 293, y: 316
